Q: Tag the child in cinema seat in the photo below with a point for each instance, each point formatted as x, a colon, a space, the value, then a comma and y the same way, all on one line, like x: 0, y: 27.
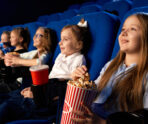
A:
x: 19, y: 39
x: 42, y: 40
x: 13, y: 106
x: 123, y: 82
x: 74, y: 41
x: 5, y: 45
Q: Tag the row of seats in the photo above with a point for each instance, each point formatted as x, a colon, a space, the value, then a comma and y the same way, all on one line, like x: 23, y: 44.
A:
x: 103, y: 27
x: 118, y: 7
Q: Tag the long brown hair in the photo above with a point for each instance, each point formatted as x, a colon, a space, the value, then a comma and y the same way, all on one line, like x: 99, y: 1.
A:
x: 129, y: 88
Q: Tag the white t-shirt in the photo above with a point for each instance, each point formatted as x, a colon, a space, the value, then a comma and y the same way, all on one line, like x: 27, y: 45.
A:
x: 64, y: 66
x: 30, y: 55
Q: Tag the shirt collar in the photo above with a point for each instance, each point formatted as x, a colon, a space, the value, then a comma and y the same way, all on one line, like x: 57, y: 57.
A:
x: 129, y: 67
x: 64, y: 57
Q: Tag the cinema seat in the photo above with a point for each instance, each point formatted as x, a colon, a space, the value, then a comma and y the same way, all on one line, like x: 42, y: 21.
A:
x: 118, y: 7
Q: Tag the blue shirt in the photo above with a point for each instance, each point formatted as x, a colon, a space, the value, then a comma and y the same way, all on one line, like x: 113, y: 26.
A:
x: 97, y: 106
x: 7, y: 49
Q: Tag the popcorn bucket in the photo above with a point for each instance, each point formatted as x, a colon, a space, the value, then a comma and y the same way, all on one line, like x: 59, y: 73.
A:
x: 73, y: 99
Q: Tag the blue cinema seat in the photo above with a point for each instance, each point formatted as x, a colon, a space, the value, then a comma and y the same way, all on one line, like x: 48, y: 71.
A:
x: 87, y: 4
x: 118, y: 7
x: 139, y: 3
x: 48, y: 18
x: 68, y: 14
x: 89, y: 9
x: 132, y: 11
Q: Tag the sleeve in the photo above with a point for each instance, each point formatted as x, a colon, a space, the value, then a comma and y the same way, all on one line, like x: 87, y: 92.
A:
x: 102, y: 72
x: 145, y: 98
x: 79, y: 61
x: 44, y: 58
x: 28, y: 55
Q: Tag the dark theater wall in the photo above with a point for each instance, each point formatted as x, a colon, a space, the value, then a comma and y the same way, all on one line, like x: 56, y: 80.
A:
x: 22, y: 11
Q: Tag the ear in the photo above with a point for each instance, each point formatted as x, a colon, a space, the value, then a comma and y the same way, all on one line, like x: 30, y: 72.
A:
x: 21, y: 39
x: 79, y: 45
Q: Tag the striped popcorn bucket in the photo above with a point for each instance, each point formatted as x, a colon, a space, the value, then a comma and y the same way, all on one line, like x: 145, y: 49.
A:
x: 73, y: 99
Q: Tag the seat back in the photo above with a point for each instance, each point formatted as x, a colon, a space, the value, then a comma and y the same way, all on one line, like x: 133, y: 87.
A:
x: 89, y: 9
x: 139, y: 3
x: 68, y: 14
x: 118, y: 7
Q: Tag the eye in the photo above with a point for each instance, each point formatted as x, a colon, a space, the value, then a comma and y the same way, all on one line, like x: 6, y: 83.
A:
x: 133, y: 29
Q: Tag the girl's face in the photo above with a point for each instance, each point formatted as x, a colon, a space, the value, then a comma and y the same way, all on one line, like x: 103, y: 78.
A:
x: 4, y: 38
x: 69, y: 43
x: 14, y: 39
x: 38, y: 38
x: 130, y: 36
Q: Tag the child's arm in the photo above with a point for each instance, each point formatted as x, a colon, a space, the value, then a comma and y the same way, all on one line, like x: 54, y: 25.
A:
x: 12, y: 60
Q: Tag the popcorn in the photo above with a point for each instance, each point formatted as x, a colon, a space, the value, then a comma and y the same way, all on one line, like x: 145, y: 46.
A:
x: 84, y: 82
x: 77, y: 92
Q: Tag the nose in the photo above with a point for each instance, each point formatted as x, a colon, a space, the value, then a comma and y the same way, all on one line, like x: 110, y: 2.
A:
x: 125, y: 32
x: 60, y: 43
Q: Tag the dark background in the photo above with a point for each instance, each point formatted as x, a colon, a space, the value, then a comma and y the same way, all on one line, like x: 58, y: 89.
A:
x: 22, y: 11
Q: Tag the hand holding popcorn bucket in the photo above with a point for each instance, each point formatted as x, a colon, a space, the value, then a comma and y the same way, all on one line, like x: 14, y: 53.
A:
x: 75, y: 95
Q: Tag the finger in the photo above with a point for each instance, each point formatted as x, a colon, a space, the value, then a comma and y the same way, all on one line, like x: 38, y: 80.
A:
x: 84, y: 68
x: 87, y: 110
x: 79, y: 120
x: 79, y: 113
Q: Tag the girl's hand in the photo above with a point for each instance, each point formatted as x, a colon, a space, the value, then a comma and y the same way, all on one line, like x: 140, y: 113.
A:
x: 87, y: 117
x: 79, y: 72
x: 11, y: 60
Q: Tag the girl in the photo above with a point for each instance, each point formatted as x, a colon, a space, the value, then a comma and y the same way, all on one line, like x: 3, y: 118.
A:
x: 19, y: 38
x: 5, y: 44
x: 122, y: 83
x: 71, y: 45
x: 42, y: 41
x: 73, y: 40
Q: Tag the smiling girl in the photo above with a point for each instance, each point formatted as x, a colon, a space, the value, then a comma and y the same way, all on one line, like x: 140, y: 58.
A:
x: 123, y: 82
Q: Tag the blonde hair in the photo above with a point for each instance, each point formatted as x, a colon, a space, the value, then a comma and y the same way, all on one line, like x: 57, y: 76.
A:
x: 129, y: 88
x: 24, y: 33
